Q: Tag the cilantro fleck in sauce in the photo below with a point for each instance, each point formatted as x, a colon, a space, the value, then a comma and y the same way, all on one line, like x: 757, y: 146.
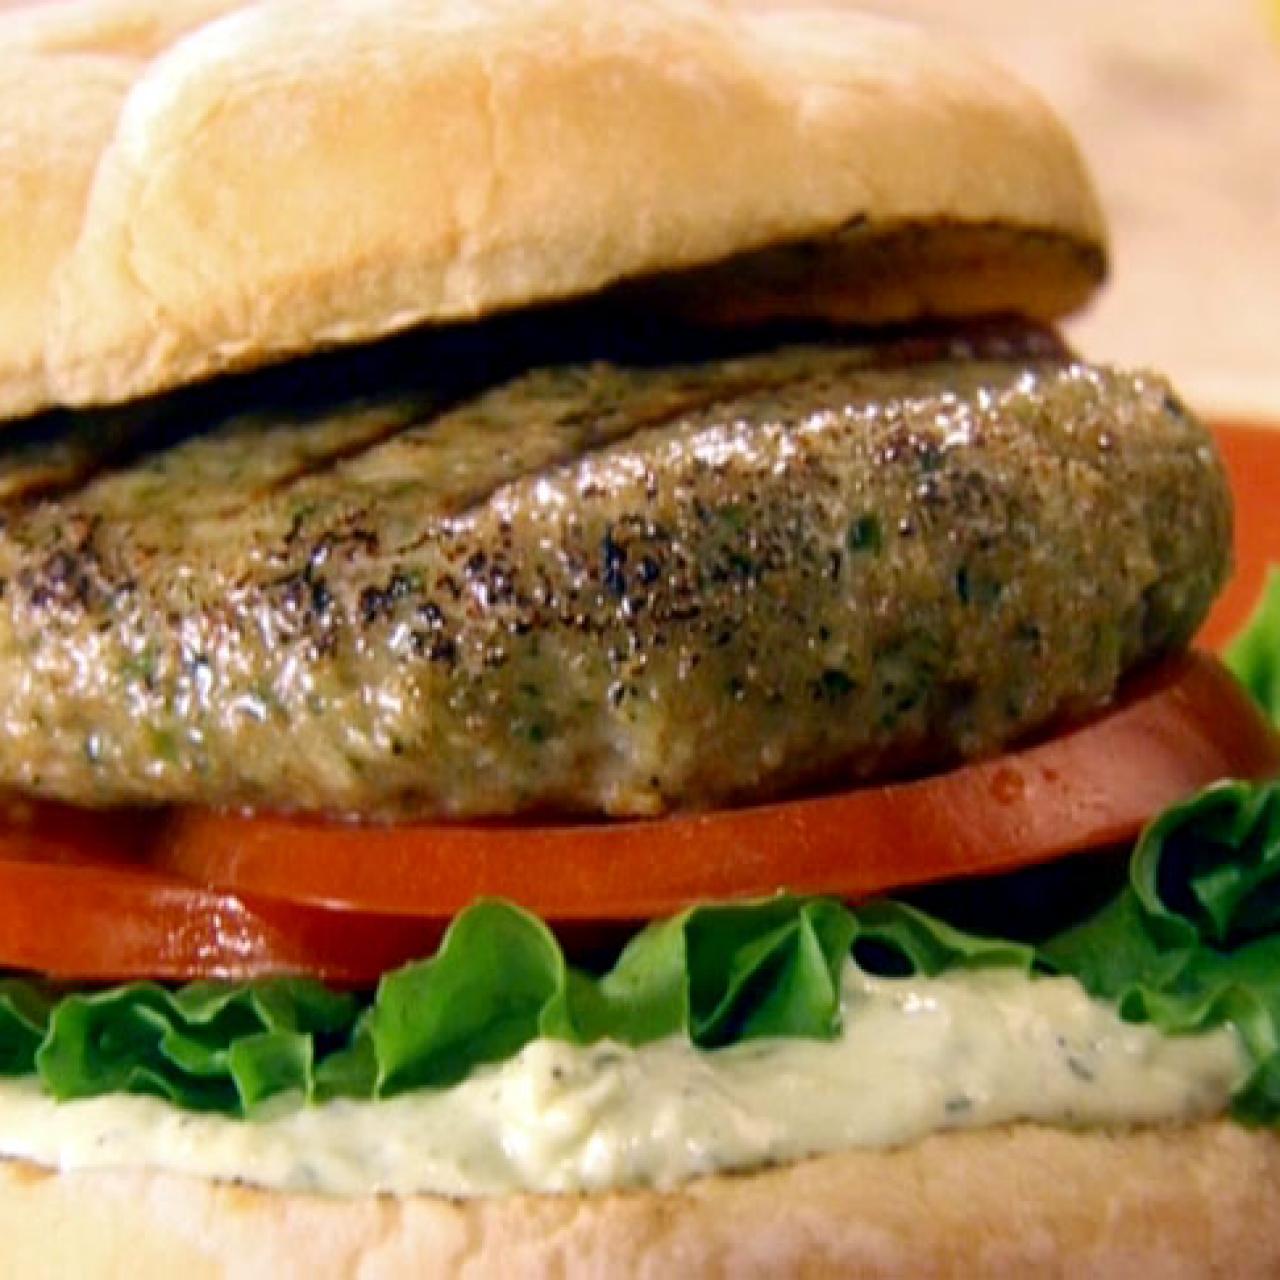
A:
x: 916, y: 1056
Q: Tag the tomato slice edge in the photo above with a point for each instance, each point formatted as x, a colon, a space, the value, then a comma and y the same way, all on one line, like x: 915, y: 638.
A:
x: 1176, y: 729
x: 104, y: 922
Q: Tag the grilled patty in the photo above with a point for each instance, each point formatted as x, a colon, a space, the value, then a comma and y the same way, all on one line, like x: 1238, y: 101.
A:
x: 501, y: 571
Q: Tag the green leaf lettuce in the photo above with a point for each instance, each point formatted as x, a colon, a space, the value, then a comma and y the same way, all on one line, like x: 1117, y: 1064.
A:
x: 1254, y: 655
x: 1190, y: 942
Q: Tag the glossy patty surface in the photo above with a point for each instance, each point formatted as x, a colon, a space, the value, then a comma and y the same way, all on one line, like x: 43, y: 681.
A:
x: 524, y: 567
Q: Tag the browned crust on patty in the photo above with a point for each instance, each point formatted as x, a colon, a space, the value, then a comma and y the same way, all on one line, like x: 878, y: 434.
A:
x: 566, y: 582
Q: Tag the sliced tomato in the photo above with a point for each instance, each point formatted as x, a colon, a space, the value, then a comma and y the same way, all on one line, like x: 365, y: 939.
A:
x: 130, y: 895
x: 1095, y: 786
x: 74, y: 903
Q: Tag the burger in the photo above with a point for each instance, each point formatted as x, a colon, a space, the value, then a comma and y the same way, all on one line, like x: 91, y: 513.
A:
x: 588, y: 685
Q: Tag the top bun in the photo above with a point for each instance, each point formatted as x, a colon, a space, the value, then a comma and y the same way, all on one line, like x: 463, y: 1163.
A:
x: 304, y: 173
x: 137, y: 29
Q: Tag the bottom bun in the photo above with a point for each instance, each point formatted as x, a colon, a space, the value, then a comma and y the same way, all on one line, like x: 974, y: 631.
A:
x: 1200, y: 1201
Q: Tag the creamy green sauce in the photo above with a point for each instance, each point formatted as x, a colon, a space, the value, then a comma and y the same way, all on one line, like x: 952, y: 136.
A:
x: 916, y: 1056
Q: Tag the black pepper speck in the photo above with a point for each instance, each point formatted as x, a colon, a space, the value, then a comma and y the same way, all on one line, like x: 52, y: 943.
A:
x: 725, y: 577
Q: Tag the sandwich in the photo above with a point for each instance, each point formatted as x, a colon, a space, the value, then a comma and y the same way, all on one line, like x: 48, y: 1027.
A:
x: 589, y: 685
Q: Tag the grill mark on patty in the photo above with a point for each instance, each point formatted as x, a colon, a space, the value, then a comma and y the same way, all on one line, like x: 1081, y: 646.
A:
x: 614, y: 585
x: 328, y: 461
x: 682, y: 407
x: 57, y: 455
x: 997, y: 339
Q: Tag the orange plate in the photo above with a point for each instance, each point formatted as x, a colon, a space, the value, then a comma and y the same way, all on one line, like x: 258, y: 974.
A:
x: 1253, y: 461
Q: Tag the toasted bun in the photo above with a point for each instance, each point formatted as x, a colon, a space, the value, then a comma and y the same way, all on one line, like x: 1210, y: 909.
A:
x: 298, y: 174
x: 1025, y: 1201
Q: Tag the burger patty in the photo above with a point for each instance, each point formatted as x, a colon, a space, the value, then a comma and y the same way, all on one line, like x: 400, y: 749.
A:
x: 483, y: 575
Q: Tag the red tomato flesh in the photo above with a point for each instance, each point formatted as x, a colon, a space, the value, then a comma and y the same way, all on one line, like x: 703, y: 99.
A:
x: 1173, y: 731
x: 76, y: 901
x: 124, y: 895
x: 201, y: 894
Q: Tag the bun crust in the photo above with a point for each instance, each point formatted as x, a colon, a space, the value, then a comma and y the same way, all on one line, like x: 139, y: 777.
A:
x: 885, y: 274
x: 137, y: 29
x: 1026, y: 1201
x: 64, y: 72
x: 297, y: 174
x: 56, y: 115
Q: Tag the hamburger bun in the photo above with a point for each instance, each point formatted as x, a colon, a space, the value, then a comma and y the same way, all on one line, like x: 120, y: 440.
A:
x: 223, y: 186
x: 136, y: 30
x: 253, y: 199
x: 1022, y: 1201
x: 58, y: 113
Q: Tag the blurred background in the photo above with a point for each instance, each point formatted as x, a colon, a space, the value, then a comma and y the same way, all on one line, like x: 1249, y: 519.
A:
x: 1177, y: 106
